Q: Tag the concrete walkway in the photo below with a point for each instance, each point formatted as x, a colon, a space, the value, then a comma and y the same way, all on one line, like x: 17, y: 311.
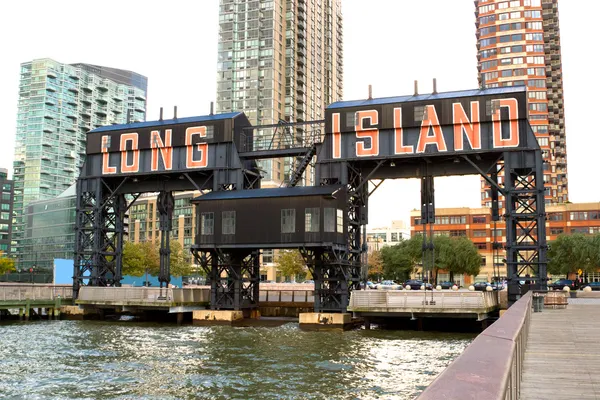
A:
x: 562, y: 360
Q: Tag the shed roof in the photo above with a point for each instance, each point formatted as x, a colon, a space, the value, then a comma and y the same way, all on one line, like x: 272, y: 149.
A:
x: 269, y: 193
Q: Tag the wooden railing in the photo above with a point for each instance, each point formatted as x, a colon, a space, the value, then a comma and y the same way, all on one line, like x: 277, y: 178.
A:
x: 491, y: 366
x: 22, y: 292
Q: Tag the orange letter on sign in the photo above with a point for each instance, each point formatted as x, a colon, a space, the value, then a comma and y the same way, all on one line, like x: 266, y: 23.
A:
x: 166, y: 151
x: 106, y: 169
x: 513, y: 117
x: 431, y: 122
x: 372, y: 133
x: 462, y: 124
x: 336, y: 139
x: 202, y: 147
x: 135, y: 164
x: 399, y: 148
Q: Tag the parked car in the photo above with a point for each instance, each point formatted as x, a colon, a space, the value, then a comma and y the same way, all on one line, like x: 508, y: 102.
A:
x: 447, y: 285
x: 370, y: 285
x: 415, y: 284
x: 387, y: 285
x: 482, y: 286
x: 561, y: 283
x: 593, y: 285
x: 309, y: 281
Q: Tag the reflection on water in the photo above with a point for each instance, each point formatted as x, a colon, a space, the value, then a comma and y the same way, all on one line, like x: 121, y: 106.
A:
x: 97, y: 360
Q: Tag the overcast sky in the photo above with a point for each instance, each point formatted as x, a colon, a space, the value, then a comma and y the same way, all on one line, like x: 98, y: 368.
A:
x: 387, y: 43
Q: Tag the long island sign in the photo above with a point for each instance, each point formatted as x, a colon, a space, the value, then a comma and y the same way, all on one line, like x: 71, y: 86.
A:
x: 445, y: 123
x: 166, y: 146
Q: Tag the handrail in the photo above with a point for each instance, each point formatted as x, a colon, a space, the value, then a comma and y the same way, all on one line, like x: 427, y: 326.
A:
x: 491, y: 366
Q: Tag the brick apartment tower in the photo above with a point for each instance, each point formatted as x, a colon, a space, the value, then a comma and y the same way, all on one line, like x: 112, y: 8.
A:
x: 518, y: 44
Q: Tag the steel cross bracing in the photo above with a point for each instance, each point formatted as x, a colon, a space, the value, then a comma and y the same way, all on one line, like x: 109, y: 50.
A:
x: 165, y: 203
x: 100, y: 230
x: 334, y: 275
x: 233, y: 276
x: 524, y: 215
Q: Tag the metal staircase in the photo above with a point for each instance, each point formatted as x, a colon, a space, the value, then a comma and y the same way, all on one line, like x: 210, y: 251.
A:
x: 302, y: 165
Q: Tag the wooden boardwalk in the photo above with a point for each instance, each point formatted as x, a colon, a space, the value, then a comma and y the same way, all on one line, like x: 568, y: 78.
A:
x: 562, y: 360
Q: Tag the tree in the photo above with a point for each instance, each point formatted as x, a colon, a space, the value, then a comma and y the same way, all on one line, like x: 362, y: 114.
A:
x: 290, y: 263
x: 180, y: 266
x: 400, y: 260
x: 140, y: 258
x: 569, y: 253
x: 6, y: 264
x: 459, y: 255
x: 375, y: 265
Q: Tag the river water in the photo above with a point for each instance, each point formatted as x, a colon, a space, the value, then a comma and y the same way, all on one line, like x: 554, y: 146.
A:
x: 130, y: 360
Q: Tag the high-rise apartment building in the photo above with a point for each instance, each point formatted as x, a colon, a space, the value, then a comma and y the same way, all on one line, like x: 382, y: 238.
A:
x: 518, y: 44
x: 279, y: 60
x: 58, y: 105
x: 6, y: 210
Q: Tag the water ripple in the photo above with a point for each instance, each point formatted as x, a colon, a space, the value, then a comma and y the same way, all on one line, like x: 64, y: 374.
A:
x: 127, y: 360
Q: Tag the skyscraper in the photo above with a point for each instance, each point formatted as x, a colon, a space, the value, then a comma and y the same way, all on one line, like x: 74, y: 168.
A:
x: 6, y: 208
x: 58, y: 105
x: 279, y: 60
x: 518, y: 44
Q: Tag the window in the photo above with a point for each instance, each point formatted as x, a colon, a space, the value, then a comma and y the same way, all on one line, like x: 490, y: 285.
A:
x: 479, y: 219
x: 395, y: 237
x: 580, y: 229
x: 228, y: 222
x: 479, y: 233
x: 288, y: 220
x: 481, y: 246
x: 267, y: 256
x: 556, y: 231
x: 340, y: 221
x: 458, y: 219
x: 458, y: 233
x: 5, y: 196
x: 578, y: 216
x: 329, y: 220
x: 311, y: 220
x: 483, y: 261
x: 207, y: 223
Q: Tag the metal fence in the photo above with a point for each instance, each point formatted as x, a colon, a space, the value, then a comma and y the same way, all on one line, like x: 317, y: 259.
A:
x: 12, y: 292
x: 492, y: 365
x: 389, y: 299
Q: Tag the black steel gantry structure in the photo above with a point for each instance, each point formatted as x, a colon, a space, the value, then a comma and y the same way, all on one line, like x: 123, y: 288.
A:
x: 483, y: 132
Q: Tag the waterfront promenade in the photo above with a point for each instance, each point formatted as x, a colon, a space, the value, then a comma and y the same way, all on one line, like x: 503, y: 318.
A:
x: 562, y: 360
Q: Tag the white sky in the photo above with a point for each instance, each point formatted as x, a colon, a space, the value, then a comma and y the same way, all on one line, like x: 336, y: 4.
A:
x: 387, y: 43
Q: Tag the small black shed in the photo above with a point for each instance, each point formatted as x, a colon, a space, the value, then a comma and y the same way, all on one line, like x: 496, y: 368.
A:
x: 312, y: 216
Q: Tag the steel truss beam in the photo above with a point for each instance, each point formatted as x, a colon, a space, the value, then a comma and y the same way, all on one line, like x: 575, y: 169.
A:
x: 525, y: 218
x: 233, y: 276
x: 335, y: 277
x: 100, y: 229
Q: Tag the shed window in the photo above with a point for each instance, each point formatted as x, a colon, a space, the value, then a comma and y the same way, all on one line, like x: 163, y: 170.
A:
x: 340, y: 221
x: 329, y: 220
x: 228, y: 222
x: 288, y: 220
x: 207, y: 226
x: 311, y: 220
